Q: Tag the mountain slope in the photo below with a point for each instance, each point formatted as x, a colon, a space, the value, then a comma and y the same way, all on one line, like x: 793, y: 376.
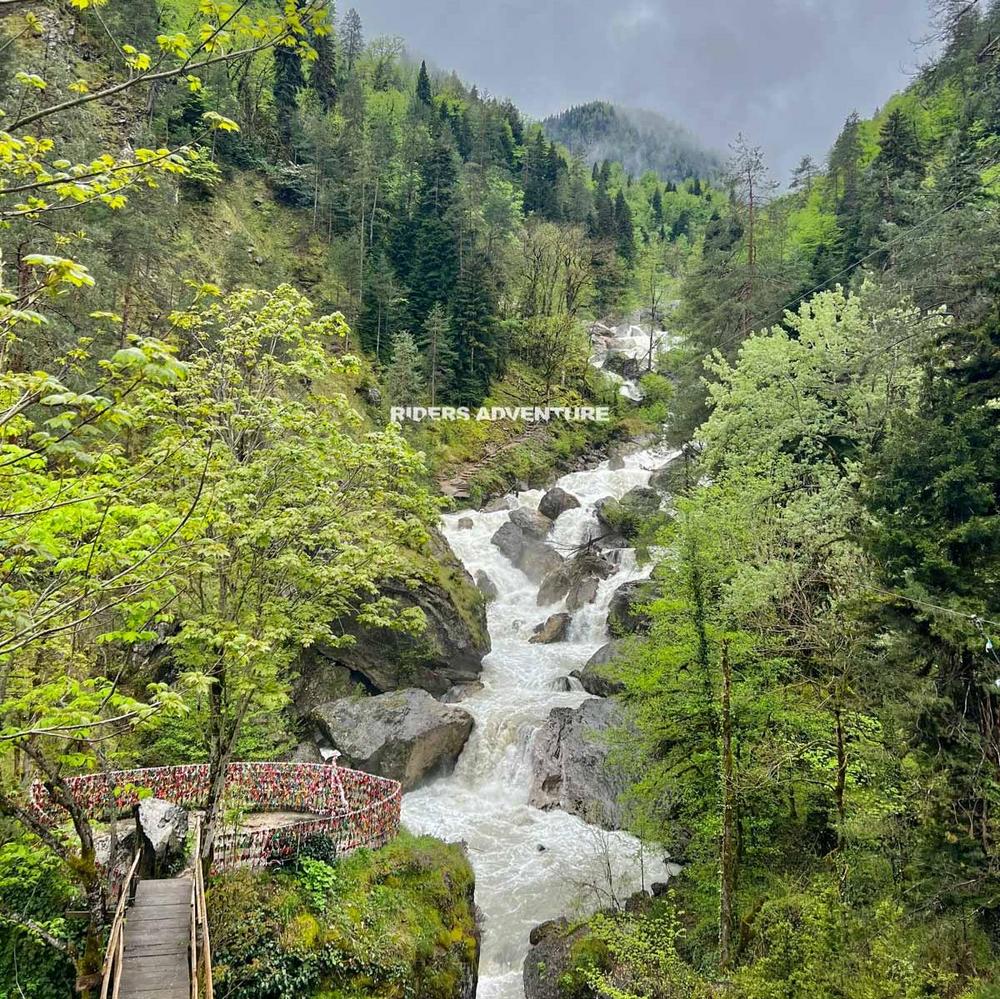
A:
x: 640, y: 140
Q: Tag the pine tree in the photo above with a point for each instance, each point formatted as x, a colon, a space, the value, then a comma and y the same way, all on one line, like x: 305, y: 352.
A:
x: 424, y: 94
x: 474, y: 320
x: 656, y: 206
x: 624, y: 229
x: 288, y: 81
x: 434, y: 269
x: 804, y: 175
x: 352, y: 38
x: 323, y: 69
x: 439, y: 354
x: 404, y: 380
x: 899, y: 151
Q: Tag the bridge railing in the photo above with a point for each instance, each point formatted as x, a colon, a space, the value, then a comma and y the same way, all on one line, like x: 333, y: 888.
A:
x: 114, y: 954
x: 352, y: 808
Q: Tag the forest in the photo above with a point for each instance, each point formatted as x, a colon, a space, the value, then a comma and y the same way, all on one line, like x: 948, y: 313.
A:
x: 233, y: 235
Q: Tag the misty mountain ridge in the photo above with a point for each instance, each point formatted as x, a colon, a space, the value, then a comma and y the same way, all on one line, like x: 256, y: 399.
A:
x: 640, y: 140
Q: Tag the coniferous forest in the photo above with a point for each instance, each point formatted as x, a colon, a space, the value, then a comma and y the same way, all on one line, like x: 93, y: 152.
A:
x: 718, y: 715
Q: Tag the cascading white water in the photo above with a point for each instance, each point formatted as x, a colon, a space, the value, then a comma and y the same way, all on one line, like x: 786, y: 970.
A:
x: 530, y: 865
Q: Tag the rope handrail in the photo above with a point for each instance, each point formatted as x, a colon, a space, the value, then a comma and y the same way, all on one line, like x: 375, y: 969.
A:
x: 201, y: 944
x: 114, y: 954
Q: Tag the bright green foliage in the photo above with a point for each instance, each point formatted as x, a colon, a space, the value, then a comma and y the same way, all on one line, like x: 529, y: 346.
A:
x: 404, y: 380
x: 396, y: 922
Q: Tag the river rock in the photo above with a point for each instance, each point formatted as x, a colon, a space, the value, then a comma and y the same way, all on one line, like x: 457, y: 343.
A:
x: 162, y: 827
x: 624, y: 618
x: 623, y: 364
x: 498, y: 504
x: 486, y: 586
x: 575, y: 579
x: 326, y: 681
x: 550, y: 957
x: 592, y: 678
x: 537, y: 560
x: 466, y: 523
x: 551, y: 631
x: 628, y: 515
x: 532, y: 523
x: 616, y: 463
x: 569, y: 759
x: 449, y: 650
x: 556, y: 502
x: 582, y: 593
x: 510, y: 539
x: 406, y: 735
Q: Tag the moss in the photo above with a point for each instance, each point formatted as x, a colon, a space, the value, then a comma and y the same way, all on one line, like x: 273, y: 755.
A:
x: 402, y: 915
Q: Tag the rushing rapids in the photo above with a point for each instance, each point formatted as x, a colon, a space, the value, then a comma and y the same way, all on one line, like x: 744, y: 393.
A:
x: 530, y: 865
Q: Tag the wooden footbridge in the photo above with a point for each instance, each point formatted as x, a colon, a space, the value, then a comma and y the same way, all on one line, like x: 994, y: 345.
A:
x: 159, y: 945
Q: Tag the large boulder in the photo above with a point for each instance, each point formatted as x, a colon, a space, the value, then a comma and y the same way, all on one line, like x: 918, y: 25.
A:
x: 570, y: 768
x: 510, y: 539
x: 625, y: 613
x: 576, y: 580
x: 552, y: 630
x: 406, y: 735
x: 162, y: 827
x: 556, y: 502
x: 450, y: 649
x: 532, y: 523
x: 486, y: 586
x: 593, y: 679
x: 626, y: 516
x: 325, y: 681
x: 537, y: 560
x: 550, y: 956
x: 623, y: 364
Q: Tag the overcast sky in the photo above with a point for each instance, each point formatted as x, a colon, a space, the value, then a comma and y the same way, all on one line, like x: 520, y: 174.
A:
x: 785, y: 72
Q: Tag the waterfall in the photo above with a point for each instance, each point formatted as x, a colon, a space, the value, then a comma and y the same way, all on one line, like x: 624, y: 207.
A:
x: 530, y: 865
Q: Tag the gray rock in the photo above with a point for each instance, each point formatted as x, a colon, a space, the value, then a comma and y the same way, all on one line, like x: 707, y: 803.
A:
x: 552, y: 630
x: 592, y: 678
x: 549, y: 958
x: 616, y: 463
x: 581, y: 593
x: 533, y: 524
x: 575, y: 575
x: 162, y: 827
x: 459, y: 693
x: 406, y: 735
x: 570, y: 767
x: 498, y: 504
x: 306, y: 752
x: 622, y: 364
x: 624, y: 618
x: 628, y: 515
x: 555, y: 502
x: 555, y: 586
x: 324, y: 681
x: 537, y: 560
x: 561, y: 684
x: 510, y: 539
x: 466, y: 523
x: 450, y: 649
x: 486, y: 586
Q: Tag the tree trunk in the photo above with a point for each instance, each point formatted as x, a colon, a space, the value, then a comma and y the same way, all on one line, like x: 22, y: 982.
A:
x: 727, y: 854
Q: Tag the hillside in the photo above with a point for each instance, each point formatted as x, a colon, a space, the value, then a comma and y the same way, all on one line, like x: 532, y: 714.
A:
x: 639, y: 140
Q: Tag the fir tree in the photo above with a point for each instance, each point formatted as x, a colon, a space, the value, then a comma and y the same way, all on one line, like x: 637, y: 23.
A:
x: 439, y: 353
x: 404, y: 380
x: 474, y: 319
x: 424, y: 86
x: 323, y: 69
x: 352, y: 38
x: 434, y: 268
x: 624, y: 229
x: 288, y: 81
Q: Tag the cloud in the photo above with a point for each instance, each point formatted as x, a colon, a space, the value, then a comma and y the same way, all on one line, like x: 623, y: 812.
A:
x: 785, y: 72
